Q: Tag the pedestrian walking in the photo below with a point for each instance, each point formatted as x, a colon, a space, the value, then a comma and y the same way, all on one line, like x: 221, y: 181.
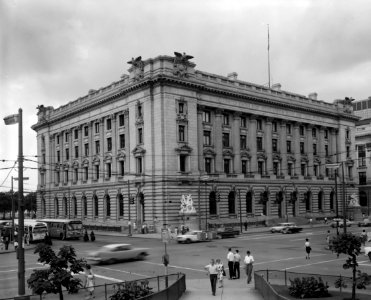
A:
x: 236, y: 265
x: 245, y: 225
x: 92, y: 236
x: 311, y: 222
x: 248, y: 261
x: 325, y: 220
x: 230, y: 259
x: 328, y: 237
x: 212, y: 271
x: 364, y: 237
x: 89, y: 281
x: 307, y: 248
x: 27, y: 238
x: 6, y: 242
x: 221, y: 272
x: 86, y: 236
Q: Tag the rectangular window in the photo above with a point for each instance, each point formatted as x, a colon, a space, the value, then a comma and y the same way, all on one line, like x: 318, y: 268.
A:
x: 76, y: 175
x: 288, y: 128
x: 96, y: 172
x: 182, y: 163
x: 303, y: 169
x: 86, y: 130
x: 350, y: 172
x: 207, y: 137
x: 96, y: 126
x: 274, y: 126
x: 58, y: 156
x: 275, y: 168
x: 109, y: 124
x: 139, y: 165
x: 97, y: 147
x: 44, y: 159
x: 76, y: 134
x: 348, y: 151
x: 315, y: 170
x: 243, y: 122
x: 67, y: 154
x: 206, y: 116
x: 289, y: 169
x: 181, y: 130
x: 86, y: 149
x: 259, y: 124
x: 314, y: 149
x: 109, y: 144
x: 181, y: 107
x: 66, y: 136
x: 86, y: 173
x: 302, y: 148
x: 326, y: 150
x: 314, y: 132
x: 260, y: 167
x: 225, y: 139
x: 244, y: 167
x: 65, y: 176
x: 326, y: 134
x: 122, y: 168
x: 225, y: 119
x: 121, y: 120
x: 274, y: 145
x: 301, y: 130
x: 108, y: 170
x: 140, y: 135
x: 57, y: 139
x: 76, y: 151
x: 243, y: 144
x: 226, y: 166
x: 122, y: 141
x: 362, y: 178
x: 208, y: 165
x: 57, y: 177
x: 259, y: 143
x: 140, y: 111
x: 347, y: 134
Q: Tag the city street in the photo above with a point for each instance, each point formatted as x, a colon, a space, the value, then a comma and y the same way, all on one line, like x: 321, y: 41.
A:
x: 271, y: 251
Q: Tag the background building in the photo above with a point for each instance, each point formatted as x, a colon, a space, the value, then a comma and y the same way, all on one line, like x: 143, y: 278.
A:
x: 131, y: 150
x: 362, y: 109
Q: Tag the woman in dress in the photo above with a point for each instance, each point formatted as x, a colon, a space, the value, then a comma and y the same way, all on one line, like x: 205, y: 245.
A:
x: 220, y: 267
x: 89, y: 281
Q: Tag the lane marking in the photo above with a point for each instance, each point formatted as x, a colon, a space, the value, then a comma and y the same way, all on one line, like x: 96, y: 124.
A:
x: 285, y: 259
x: 121, y: 271
x: 16, y: 270
x: 173, y: 266
x: 316, y: 263
x: 108, y: 278
x: 9, y: 278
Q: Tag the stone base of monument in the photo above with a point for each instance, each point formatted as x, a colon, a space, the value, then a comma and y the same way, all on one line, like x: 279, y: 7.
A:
x: 190, y: 221
x: 354, y: 213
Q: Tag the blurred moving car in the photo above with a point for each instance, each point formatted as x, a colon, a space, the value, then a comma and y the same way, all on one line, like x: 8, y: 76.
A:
x: 364, y: 223
x: 191, y: 237
x: 113, y: 253
x: 340, y: 222
x: 287, y: 227
x: 367, y: 248
x: 226, y: 232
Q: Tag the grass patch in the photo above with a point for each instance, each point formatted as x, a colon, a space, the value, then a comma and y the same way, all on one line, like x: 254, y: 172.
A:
x: 334, y: 295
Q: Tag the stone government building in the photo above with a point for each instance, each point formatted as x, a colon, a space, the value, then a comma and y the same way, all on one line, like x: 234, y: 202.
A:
x: 131, y: 150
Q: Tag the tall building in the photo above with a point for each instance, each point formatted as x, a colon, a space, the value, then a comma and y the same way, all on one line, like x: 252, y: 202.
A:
x: 241, y: 151
x: 362, y: 109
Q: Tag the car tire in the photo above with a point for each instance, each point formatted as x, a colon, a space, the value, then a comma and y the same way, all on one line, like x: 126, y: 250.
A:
x: 110, y: 261
x: 369, y: 255
x: 187, y: 241
x: 141, y: 256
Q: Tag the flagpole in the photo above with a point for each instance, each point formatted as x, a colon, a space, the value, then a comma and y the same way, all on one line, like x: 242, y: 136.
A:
x: 269, y: 65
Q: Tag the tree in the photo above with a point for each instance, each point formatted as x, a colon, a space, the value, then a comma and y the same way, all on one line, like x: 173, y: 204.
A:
x: 30, y: 202
x: 59, y: 273
x: 350, y: 244
x: 5, y: 203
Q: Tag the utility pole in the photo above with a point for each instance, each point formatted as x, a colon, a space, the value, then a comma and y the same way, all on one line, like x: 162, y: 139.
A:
x: 129, y: 223
x: 344, y: 207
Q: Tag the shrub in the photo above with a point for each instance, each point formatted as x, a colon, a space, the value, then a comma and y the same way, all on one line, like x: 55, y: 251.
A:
x: 308, y: 287
x: 132, y: 290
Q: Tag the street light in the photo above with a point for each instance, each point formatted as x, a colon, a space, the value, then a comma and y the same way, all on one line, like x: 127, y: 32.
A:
x: 9, y: 120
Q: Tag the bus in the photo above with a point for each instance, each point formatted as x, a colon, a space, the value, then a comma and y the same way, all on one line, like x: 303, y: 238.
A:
x: 64, y: 228
x: 36, y: 230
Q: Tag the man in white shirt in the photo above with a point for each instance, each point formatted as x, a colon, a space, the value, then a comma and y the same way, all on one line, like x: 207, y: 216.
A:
x: 212, y: 269
x: 230, y: 259
x: 236, y: 266
x: 249, y: 259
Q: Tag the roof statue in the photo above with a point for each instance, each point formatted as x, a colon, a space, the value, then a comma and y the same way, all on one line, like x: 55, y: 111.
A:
x: 137, y: 69
x: 182, y: 57
x: 181, y: 63
x: 137, y: 62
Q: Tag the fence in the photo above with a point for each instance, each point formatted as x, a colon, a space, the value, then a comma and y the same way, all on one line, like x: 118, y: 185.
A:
x: 265, y: 279
x: 169, y: 287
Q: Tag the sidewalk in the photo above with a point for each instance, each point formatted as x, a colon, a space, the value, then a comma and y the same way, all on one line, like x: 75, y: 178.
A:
x: 233, y: 289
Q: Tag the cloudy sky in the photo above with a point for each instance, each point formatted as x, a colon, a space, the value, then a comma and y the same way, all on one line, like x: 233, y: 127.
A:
x: 53, y: 52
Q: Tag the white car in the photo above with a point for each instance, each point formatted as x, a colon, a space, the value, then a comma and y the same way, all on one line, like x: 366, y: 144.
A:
x: 280, y: 227
x: 113, y: 253
x: 191, y: 237
x: 340, y: 223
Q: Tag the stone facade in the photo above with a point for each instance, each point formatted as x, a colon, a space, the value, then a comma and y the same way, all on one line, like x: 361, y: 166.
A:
x: 131, y: 150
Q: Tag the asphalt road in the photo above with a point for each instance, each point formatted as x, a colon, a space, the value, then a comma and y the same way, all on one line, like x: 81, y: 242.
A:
x: 271, y: 251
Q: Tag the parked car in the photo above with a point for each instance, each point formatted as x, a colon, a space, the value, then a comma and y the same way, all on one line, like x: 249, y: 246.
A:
x: 191, y: 237
x: 340, y: 222
x: 113, y: 253
x: 226, y: 232
x: 281, y: 226
x: 364, y: 223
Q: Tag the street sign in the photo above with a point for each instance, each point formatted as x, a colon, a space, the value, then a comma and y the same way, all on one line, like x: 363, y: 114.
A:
x: 165, y: 236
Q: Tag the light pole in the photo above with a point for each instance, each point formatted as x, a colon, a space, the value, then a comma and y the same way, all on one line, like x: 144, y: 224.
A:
x: 9, y: 120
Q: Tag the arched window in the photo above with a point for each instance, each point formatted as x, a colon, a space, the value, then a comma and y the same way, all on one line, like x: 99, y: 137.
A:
x: 65, y: 206
x: 362, y: 198
x: 43, y: 204
x: 264, y: 198
x: 121, y: 204
x: 108, y: 205
x: 96, y: 205
x: 212, y: 203
x: 85, y: 205
x: 279, y: 200
x: 307, y: 196
x: 249, y: 202
x: 231, y: 203
x: 56, y: 205
x: 74, y: 203
x: 332, y: 200
x: 320, y: 201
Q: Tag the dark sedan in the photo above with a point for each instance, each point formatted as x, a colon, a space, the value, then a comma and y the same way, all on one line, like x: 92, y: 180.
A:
x: 292, y: 229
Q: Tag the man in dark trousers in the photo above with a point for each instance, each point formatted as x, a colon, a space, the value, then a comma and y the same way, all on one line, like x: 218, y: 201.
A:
x: 236, y: 266
x: 230, y: 259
